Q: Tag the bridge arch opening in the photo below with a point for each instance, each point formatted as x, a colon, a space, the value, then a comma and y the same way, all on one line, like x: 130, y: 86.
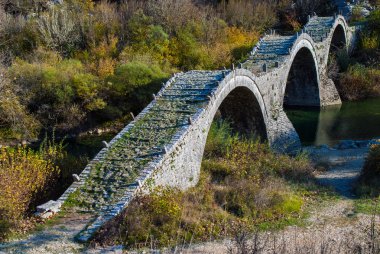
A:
x: 242, y: 111
x: 338, y: 55
x: 338, y: 40
x: 302, y: 86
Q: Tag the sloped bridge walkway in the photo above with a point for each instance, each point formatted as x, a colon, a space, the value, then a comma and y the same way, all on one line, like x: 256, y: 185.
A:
x: 164, y: 144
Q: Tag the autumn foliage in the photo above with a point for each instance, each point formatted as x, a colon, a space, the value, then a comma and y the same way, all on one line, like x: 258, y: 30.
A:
x: 67, y: 65
x: 25, y: 177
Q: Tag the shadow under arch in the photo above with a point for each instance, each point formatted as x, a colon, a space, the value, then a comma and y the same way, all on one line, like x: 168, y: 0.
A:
x: 337, y: 59
x: 302, y: 86
x: 338, y: 40
x: 242, y: 110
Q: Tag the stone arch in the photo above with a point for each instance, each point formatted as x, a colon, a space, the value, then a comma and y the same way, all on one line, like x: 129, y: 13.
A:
x: 188, y: 158
x: 338, y: 46
x: 237, y: 83
x: 242, y: 110
x: 239, y: 100
x: 339, y: 38
x: 302, y: 80
x: 338, y: 42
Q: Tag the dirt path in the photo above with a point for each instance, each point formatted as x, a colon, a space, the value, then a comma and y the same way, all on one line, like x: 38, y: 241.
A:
x: 58, y: 238
x: 343, y: 167
x: 333, y: 229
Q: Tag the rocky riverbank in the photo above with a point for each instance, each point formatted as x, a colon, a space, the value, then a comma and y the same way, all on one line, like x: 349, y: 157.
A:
x: 340, y: 165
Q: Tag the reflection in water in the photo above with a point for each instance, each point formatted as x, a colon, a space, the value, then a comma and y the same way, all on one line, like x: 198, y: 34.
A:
x: 326, y: 120
x: 352, y: 120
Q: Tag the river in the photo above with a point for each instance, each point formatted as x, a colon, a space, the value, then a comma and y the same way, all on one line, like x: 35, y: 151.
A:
x: 351, y: 120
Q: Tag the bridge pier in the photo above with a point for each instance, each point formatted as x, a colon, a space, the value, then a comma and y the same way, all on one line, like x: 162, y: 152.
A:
x: 282, y: 135
x: 329, y: 95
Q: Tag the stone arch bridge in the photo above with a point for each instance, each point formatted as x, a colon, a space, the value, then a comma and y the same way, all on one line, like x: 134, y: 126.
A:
x: 164, y: 144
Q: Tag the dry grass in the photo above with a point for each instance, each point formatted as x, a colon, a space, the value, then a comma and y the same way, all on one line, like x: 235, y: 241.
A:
x: 299, y: 243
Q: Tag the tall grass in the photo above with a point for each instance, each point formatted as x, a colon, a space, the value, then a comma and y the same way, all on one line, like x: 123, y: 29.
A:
x: 219, y: 139
x: 363, y: 240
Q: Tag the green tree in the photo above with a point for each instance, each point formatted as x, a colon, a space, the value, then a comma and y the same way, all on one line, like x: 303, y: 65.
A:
x: 186, y: 52
x: 133, y: 84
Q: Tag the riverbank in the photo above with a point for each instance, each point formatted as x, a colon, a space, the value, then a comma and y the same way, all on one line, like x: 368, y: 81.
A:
x: 340, y: 166
x: 337, y: 225
x: 333, y: 227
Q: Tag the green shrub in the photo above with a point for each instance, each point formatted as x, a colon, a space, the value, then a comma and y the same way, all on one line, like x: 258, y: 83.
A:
x: 159, y: 215
x: 219, y: 139
x: 16, y: 122
x: 369, y: 41
x: 370, y: 36
x: 374, y: 20
x: 132, y: 75
x: 369, y: 181
x: 59, y: 91
x: 133, y: 85
x: 186, y: 52
x: 356, y: 15
x: 359, y: 82
x: 147, y: 37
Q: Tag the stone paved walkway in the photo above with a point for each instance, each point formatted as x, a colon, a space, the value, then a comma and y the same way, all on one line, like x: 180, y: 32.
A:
x: 56, y: 239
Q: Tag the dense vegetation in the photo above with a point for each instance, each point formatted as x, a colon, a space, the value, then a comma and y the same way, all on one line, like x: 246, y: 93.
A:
x: 369, y: 181
x: 243, y: 185
x: 26, y: 176
x: 360, y: 73
x: 83, y: 63
x: 76, y: 65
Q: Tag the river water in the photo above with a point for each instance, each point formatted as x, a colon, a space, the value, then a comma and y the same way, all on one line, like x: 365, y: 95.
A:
x: 351, y: 120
